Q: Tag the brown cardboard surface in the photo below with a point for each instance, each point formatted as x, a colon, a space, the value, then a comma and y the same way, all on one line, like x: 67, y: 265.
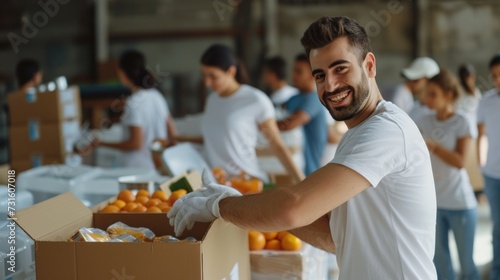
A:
x: 215, y: 247
x: 220, y: 248
x: 50, y: 143
x: 49, y: 107
x: 4, y: 168
x: 54, y: 219
x: 276, y: 262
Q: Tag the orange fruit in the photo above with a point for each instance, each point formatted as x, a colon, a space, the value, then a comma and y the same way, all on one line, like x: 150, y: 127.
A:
x: 220, y: 175
x: 273, y: 244
x: 291, y: 242
x: 270, y: 235
x: 176, y: 195
x: 126, y: 195
x: 281, y: 234
x: 140, y: 209
x: 142, y: 193
x: 153, y: 209
x: 164, y: 207
x: 153, y: 202
x: 110, y: 209
x: 130, y: 206
x: 160, y: 195
x: 256, y: 240
x: 142, y: 200
x: 119, y: 203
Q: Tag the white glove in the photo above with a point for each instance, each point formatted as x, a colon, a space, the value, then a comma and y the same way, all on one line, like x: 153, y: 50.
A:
x: 199, y: 206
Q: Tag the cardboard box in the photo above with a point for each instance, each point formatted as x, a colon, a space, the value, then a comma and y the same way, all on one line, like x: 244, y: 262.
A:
x: 307, y: 264
x: 46, y: 107
x: 4, y: 168
x: 48, y: 140
x: 222, y: 252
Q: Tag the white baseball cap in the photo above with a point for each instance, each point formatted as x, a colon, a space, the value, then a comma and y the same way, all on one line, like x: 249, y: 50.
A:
x: 422, y: 67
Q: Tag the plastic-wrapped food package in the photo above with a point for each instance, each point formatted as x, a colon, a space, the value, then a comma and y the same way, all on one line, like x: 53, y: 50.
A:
x: 90, y: 235
x: 141, y: 233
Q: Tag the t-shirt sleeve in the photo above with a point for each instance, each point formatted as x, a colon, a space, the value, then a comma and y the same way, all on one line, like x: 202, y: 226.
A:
x: 310, y: 104
x: 131, y: 116
x: 464, y: 128
x: 480, y: 112
x: 374, y: 150
x: 265, y: 110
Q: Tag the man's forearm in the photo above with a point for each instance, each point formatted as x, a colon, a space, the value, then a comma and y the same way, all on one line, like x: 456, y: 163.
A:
x: 317, y: 234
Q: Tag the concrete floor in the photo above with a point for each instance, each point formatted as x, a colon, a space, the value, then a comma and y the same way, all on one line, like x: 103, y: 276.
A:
x: 483, y: 251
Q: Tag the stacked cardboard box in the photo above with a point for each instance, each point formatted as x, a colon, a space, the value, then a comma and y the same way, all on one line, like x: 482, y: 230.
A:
x: 43, y: 126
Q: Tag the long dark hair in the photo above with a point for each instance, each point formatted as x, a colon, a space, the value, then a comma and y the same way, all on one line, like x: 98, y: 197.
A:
x: 222, y: 57
x: 133, y: 64
x: 464, y: 72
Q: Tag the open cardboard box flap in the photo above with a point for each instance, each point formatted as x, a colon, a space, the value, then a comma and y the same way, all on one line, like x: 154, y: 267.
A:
x: 54, y: 219
x: 193, y: 178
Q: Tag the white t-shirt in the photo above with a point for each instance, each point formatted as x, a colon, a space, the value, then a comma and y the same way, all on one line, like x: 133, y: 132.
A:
x: 488, y: 113
x: 453, y: 188
x: 230, y: 129
x: 419, y: 110
x: 282, y: 95
x: 147, y: 109
x: 467, y: 106
x: 388, y: 230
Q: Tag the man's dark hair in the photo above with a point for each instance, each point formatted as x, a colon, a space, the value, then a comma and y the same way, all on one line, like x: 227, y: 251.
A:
x: 25, y: 70
x: 301, y: 57
x: 495, y: 60
x: 327, y: 29
x: 276, y: 65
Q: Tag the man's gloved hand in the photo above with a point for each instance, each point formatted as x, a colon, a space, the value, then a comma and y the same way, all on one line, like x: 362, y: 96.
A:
x: 199, y: 206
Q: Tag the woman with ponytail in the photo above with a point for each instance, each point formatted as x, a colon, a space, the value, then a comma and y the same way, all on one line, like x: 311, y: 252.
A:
x: 234, y: 115
x: 145, y: 117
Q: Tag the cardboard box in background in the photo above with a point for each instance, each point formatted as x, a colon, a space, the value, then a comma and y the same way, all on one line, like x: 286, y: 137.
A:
x: 222, y: 252
x: 4, y: 168
x: 46, y: 107
x: 307, y: 264
x: 49, y: 140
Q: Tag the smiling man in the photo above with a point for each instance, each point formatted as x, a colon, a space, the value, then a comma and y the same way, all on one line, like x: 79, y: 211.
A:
x: 374, y: 205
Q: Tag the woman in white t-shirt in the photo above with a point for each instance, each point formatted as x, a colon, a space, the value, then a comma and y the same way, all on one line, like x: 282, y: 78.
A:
x: 145, y: 117
x: 234, y: 115
x: 448, y: 138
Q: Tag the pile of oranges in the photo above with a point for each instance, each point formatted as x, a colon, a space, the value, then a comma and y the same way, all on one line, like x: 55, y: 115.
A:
x: 282, y: 240
x: 243, y: 183
x: 142, y: 202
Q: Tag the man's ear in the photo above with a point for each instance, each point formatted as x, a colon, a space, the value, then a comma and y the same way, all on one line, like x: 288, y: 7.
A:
x: 370, y: 65
x: 232, y: 70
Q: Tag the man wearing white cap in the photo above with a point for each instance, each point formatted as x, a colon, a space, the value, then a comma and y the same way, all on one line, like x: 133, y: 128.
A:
x: 417, y: 75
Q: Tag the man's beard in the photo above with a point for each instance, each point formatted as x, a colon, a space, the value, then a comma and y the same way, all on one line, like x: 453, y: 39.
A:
x: 358, y: 95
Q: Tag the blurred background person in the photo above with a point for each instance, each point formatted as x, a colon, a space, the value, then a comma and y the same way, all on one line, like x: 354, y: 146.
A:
x: 28, y: 74
x: 400, y: 95
x: 274, y: 76
x: 456, y: 203
x: 467, y: 105
x: 234, y: 115
x: 307, y: 111
x: 146, y: 116
x: 488, y: 119
x: 417, y: 77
